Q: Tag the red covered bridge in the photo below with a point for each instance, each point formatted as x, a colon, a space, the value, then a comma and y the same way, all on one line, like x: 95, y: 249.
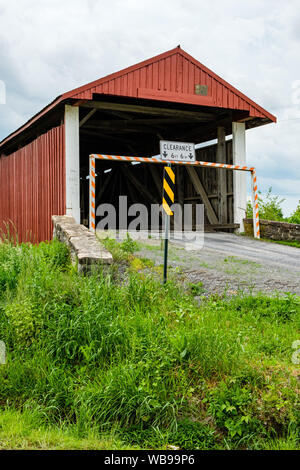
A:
x: 44, y: 163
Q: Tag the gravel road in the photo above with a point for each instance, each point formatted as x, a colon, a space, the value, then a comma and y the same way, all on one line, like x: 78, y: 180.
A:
x: 229, y: 263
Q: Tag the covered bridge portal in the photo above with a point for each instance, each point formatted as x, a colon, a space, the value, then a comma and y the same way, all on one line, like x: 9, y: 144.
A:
x: 44, y: 165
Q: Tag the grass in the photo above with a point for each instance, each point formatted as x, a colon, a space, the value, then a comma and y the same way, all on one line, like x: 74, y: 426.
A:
x: 280, y: 242
x: 283, y: 242
x: 122, y: 251
x: 235, y: 259
x: 234, y: 265
x: 27, y: 431
x: 95, y: 362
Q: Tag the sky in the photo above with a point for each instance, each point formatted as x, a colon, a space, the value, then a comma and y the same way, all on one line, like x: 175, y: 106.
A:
x: 50, y: 47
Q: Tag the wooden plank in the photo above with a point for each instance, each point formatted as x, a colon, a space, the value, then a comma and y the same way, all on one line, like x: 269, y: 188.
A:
x: 157, y: 180
x: 132, y: 123
x: 180, y: 185
x: 87, y: 117
x: 146, y: 110
x: 104, y: 135
x: 222, y: 226
x: 139, y: 185
x: 210, y: 196
x: 107, y: 180
x: 222, y: 177
x: 134, y: 196
x: 196, y: 198
x: 201, y: 191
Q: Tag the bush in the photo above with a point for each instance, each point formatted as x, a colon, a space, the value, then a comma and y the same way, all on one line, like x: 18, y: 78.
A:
x: 10, y: 266
x: 136, y: 355
x: 269, y: 207
x: 121, y: 251
x: 230, y: 404
x: 23, y: 321
x: 189, y: 435
x: 295, y: 217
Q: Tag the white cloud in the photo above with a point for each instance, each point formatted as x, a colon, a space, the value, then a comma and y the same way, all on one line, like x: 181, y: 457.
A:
x: 49, y: 47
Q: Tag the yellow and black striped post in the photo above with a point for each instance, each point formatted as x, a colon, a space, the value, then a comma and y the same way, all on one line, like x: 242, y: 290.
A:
x: 168, y: 200
x: 169, y: 188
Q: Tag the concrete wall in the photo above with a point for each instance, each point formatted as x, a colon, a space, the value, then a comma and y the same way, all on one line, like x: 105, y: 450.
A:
x: 86, y: 250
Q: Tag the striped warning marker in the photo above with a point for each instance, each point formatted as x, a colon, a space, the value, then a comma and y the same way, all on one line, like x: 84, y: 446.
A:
x: 255, y: 207
x: 123, y: 158
x: 92, y: 193
x: 168, y: 189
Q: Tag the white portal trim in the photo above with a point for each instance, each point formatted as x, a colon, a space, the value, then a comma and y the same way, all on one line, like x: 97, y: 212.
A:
x: 239, y: 178
x: 72, y: 159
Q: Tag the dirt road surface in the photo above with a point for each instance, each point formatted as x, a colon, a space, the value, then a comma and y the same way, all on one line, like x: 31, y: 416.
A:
x: 230, y: 263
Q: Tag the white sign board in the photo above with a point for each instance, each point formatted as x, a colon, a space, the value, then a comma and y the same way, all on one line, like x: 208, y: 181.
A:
x: 177, y: 151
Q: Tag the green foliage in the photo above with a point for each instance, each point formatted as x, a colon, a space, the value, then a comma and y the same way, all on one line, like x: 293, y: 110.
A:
x: 143, y: 358
x: 230, y: 406
x: 139, y: 264
x: 269, y: 207
x: 121, y: 251
x: 282, y: 242
x: 277, y: 309
x: 21, y: 317
x: 10, y: 266
x: 197, y: 289
x: 295, y: 217
x: 128, y: 245
x: 16, y: 261
x: 193, y: 435
x: 188, y: 435
x: 27, y: 430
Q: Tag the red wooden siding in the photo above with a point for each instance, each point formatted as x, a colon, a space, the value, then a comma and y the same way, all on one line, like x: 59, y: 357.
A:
x: 171, y: 76
x: 32, y: 182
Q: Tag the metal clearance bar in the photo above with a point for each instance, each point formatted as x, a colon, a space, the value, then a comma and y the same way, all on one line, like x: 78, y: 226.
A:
x: 225, y: 166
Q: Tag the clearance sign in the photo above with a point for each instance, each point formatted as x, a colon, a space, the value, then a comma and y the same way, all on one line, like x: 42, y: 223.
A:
x: 177, y: 151
x: 172, y: 152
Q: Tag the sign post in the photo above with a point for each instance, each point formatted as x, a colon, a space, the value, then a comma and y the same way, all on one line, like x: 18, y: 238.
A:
x: 168, y: 200
x: 167, y: 223
x: 172, y: 152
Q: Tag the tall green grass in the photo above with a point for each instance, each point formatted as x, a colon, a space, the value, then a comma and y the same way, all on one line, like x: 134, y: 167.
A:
x: 142, y: 358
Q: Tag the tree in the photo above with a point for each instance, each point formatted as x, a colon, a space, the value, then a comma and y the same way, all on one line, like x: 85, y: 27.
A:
x: 269, y: 207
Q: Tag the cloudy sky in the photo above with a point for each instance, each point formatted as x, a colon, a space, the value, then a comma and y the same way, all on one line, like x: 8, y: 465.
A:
x: 49, y: 47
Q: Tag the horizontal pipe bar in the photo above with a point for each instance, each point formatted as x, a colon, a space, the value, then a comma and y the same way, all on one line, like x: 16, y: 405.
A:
x: 164, y: 162
x: 256, y: 225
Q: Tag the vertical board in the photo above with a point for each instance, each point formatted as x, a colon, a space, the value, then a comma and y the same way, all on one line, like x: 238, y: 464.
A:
x: 32, y: 186
x: 209, y: 179
x: 175, y: 72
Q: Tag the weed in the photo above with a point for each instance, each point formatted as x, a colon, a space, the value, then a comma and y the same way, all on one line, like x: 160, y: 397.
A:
x: 139, y: 264
x: 230, y: 406
x: 128, y: 245
x: 121, y: 251
x: 196, y: 289
x: 138, y: 357
x: 27, y: 430
x: 188, y: 435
